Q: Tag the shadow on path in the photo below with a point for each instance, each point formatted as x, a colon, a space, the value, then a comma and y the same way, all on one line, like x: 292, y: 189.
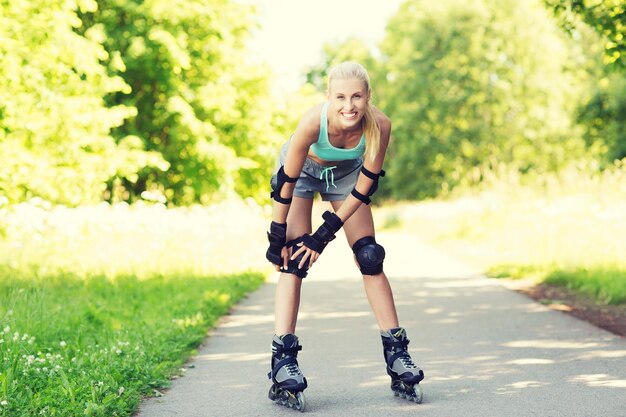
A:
x: 485, y: 350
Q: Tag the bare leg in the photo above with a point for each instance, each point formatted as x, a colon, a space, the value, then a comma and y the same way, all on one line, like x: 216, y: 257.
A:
x: 405, y: 375
x: 287, y: 299
x: 380, y: 297
x: 377, y: 287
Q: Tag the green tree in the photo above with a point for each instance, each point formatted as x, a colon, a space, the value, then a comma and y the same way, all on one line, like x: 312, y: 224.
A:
x: 55, y: 140
x: 199, y: 103
x: 603, y: 117
x: 474, y: 86
x: 608, y: 17
x: 602, y: 113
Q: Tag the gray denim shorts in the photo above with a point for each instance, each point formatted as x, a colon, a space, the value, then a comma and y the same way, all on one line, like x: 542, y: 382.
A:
x: 334, y: 182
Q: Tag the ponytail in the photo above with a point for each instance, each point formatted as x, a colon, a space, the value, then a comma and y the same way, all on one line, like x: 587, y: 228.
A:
x: 371, y: 129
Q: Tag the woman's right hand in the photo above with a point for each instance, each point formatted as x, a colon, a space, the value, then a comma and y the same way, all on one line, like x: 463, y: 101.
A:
x: 285, y: 253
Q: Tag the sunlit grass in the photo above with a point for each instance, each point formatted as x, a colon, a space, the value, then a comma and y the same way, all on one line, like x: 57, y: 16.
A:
x: 568, y: 230
x: 102, y: 305
x: 141, y: 240
x: 73, y: 346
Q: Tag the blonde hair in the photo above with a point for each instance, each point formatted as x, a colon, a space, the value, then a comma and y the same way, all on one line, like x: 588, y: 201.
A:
x: 353, y: 70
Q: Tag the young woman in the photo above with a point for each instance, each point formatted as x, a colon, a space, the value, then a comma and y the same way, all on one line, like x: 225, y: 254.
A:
x: 337, y: 150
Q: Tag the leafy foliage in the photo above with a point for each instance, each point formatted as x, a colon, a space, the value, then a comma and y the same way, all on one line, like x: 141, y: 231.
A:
x: 602, y: 106
x: 198, y: 103
x: 113, y: 98
x: 121, y: 100
x: 608, y: 17
x: 604, y: 117
x: 55, y: 128
x: 472, y: 86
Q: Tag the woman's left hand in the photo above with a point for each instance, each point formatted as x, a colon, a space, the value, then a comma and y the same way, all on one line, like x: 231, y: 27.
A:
x: 307, y: 253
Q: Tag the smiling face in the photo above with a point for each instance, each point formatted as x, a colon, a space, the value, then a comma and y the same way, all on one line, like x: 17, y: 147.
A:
x: 348, y: 101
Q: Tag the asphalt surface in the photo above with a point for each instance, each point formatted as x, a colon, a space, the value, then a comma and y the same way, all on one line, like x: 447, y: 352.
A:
x: 485, y: 350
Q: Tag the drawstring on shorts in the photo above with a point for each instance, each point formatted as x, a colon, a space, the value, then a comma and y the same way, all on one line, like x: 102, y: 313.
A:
x: 325, y: 172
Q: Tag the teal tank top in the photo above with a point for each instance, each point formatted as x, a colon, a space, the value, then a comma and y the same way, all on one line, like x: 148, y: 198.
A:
x: 324, y: 150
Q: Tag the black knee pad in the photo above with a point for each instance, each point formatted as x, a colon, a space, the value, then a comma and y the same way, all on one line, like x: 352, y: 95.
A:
x: 369, y: 255
x: 292, y: 265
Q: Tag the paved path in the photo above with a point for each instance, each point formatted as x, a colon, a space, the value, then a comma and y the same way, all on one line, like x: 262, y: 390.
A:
x: 486, y: 351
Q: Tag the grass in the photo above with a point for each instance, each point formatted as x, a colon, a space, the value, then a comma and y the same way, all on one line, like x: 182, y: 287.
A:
x: 141, y: 240
x: 73, y: 346
x: 100, y: 306
x: 564, y: 230
x: 606, y: 284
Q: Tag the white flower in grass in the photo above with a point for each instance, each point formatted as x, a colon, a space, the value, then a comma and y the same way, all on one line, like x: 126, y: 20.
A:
x: 63, y: 344
x: 120, y: 391
x: 7, y: 329
x: 4, y: 402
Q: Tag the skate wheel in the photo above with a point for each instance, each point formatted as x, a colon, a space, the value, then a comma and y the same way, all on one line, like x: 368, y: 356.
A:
x: 418, y: 395
x: 301, y: 405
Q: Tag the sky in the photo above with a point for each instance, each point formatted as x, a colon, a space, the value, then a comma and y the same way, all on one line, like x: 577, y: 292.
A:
x: 293, y: 32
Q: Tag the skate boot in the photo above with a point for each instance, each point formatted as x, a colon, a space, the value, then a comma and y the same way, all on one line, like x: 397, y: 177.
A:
x: 288, y: 381
x: 405, y: 376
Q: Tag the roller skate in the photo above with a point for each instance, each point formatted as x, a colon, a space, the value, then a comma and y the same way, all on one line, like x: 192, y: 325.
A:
x: 405, y: 375
x: 288, y: 381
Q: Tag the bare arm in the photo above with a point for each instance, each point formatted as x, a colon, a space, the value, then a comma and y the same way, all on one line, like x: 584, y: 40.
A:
x: 364, y: 183
x: 305, y: 135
